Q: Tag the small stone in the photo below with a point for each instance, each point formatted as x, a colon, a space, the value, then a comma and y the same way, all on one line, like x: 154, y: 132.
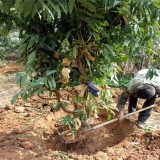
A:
x: 9, y: 106
x: 22, y: 139
x: 26, y: 115
x: 27, y: 104
x: 110, y: 151
x: 100, y: 155
x: 28, y: 145
x: 19, y: 109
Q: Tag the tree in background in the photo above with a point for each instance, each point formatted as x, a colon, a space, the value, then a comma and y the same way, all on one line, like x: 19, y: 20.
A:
x: 77, y: 43
x: 8, y: 26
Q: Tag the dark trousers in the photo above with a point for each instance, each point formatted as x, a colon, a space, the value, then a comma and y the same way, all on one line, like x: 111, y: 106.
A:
x: 144, y: 115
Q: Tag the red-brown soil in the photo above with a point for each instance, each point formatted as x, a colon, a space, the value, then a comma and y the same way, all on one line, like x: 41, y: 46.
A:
x: 11, y: 65
x: 33, y: 134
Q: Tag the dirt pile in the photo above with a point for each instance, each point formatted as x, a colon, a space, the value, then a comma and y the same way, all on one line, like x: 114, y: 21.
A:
x: 12, y: 68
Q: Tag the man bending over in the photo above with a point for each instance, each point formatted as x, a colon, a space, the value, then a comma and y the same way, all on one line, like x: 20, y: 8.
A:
x: 139, y: 87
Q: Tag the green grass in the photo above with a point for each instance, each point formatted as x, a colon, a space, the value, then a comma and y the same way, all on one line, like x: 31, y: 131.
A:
x: 122, y: 82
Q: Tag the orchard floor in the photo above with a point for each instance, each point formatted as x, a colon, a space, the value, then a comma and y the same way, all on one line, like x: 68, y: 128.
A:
x: 33, y: 133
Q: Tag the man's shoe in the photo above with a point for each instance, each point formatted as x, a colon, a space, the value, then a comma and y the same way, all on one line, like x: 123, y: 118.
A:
x: 141, y: 125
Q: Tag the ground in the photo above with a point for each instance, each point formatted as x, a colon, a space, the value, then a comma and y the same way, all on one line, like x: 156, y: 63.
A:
x: 32, y: 133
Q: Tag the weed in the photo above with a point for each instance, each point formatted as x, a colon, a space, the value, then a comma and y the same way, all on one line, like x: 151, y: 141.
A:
x: 121, y: 81
x: 63, y: 155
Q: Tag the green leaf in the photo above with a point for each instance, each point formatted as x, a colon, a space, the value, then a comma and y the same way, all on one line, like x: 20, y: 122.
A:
x: 136, y: 28
x: 24, y: 40
x: 154, y: 14
x: 46, y: 84
x: 151, y: 73
x: 19, y: 6
x: 155, y: 73
x: 88, y: 62
x: 109, y: 47
x: 83, y: 117
x: 150, y: 33
x: 24, y: 96
x: 31, y: 57
x: 74, y: 132
x: 49, y: 11
x: 23, y: 80
x: 71, y: 5
x: 68, y: 97
x: 34, y: 11
x: 132, y: 48
x: 87, y: 5
x: 22, y: 48
x: 91, y: 24
x: 61, y: 155
x: 75, y: 100
x: 50, y: 85
x: 74, y: 52
x: 116, y: 3
x: 19, y: 61
x: 31, y: 43
x: 54, y: 83
x: 58, y: 106
x: 51, y: 72
x: 64, y: 6
x: 105, y: 53
x: 65, y: 119
x: 15, y: 97
x: 38, y: 12
x: 58, y: 10
x: 28, y: 5
x: 68, y: 34
x: 18, y: 77
x: 109, y: 116
x: 126, y: 42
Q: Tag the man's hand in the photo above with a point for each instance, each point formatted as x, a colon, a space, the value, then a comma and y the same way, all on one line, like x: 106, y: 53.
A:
x: 120, y: 116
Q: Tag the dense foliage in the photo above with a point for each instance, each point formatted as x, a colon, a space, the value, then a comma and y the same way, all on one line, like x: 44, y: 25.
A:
x: 72, y: 43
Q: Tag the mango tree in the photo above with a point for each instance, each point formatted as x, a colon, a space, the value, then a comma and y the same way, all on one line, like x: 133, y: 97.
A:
x: 75, y: 45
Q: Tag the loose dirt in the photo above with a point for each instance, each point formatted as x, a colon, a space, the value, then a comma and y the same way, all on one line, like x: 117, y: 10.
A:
x: 33, y: 133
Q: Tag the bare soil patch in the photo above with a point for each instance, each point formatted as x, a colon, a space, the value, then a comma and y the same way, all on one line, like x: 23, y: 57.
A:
x: 33, y: 133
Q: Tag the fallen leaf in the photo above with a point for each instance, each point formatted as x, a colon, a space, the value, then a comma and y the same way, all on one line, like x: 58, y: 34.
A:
x: 65, y: 72
x: 20, y: 117
x: 134, y: 143
x: 95, y: 48
x: 63, y: 80
x: 104, y: 86
x: 56, y: 55
x: 125, y: 19
x: 88, y: 55
x: 81, y: 89
x: 19, y: 109
x: 73, y: 64
x: 66, y: 61
x: 81, y: 79
x: 77, y: 122
x: 68, y: 136
x: 96, y: 113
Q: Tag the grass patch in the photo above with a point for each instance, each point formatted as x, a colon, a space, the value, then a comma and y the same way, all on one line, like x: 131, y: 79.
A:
x: 121, y: 81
